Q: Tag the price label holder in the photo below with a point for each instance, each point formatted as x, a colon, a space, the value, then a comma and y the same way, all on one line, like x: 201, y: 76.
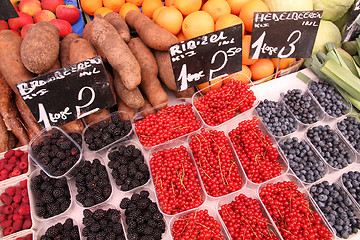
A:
x: 69, y: 93
x: 284, y: 34
x: 207, y: 57
x: 7, y: 10
x: 352, y: 29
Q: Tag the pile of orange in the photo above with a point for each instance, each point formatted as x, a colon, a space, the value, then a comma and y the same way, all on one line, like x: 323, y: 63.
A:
x: 191, y: 18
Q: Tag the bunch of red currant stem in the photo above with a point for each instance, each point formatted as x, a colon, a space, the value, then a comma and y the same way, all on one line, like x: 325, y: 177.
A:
x: 170, y: 123
x: 176, y: 181
x: 196, y: 225
x: 244, y: 220
x: 221, y: 105
x: 256, y: 152
x: 291, y: 212
x: 218, y: 169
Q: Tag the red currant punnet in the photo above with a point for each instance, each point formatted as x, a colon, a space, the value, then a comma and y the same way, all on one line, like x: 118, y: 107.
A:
x: 170, y: 123
x: 256, y: 152
x: 221, y: 105
x: 175, y: 178
x: 244, y: 220
x: 291, y: 212
x: 196, y: 225
x: 217, y: 166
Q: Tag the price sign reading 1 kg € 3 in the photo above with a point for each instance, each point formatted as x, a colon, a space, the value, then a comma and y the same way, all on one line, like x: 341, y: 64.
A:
x: 207, y: 57
x: 284, y: 34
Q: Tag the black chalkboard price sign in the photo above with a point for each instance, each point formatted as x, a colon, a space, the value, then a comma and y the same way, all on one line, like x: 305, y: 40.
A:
x: 69, y: 93
x: 284, y: 34
x: 207, y: 57
x: 7, y: 10
x: 352, y: 29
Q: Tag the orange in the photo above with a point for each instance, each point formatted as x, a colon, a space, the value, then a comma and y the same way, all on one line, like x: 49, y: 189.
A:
x: 169, y: 3
x: 156, y: 12
x: 136, y: 2
x: 126, y: 8
x: 114, y: 5
x: 261, y: 69
x: 228, y: 20
x: 244, y: 75
x: 188, y: 6
x: 181, y: 36
x: 197, y: 24
x: 170, y: 18
x: 216, y: 8
x: 102, y: 11
x: 247, y: 12
x: 90, y: 6
x: 148, y: 7
x: 284, y: 62
x: 236, y: 5
x: 215, y: 84
x: 246, y: 42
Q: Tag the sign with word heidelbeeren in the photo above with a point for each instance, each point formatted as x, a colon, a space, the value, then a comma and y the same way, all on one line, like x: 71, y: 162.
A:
x: 352, y: 29
x: 284, y: 34
x: 69, y: 93
x: 7, y: 10
x: 207, y: 57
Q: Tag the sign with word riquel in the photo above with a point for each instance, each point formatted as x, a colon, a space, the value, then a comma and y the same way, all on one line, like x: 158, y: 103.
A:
x: 284, y: 34
x: 69, y: 93
x: 207, y: 57
x: 352, y: 29
x: 7, y: 10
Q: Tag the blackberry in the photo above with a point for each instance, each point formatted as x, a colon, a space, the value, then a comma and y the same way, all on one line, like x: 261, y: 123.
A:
x: 153, y: 207
x: 85, y: 231
x: 95, y: 227
x: 132, y: 236
x: 98, y: 214
x: 66, y: 231
x: 157, y: 216
x: 143, y: 203
x: 52, y: 232
x: 125, y: 203
x: 144, y: 194
x: 148, y: 230
x: 143, y: 167
x: 47, y: 198
x: 135, y: 183
x: 140, y: 219
x: 117, y: 228
x: 103, y: 124
x: 88, y: 202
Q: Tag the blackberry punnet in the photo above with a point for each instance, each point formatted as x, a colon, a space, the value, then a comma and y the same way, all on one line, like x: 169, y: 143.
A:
x: 102, y: 224
x: 52, y: 196
x: 101, y: 134
x: 350, y: 128
x: 303, y: 161
x: 56, y: 153
x: 125, y: 167
x: 330, y: 100
x: 351, y: 181
x: 93, y: 185
x: 302, y: 106
x: 337, y: 207
x: 276, y: 118
x: 143, y: 222
x: 67, y: 230
x: 330, y: 146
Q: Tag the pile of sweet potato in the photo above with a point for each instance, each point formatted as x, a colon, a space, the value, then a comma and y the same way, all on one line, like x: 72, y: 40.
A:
x: 138, y: 68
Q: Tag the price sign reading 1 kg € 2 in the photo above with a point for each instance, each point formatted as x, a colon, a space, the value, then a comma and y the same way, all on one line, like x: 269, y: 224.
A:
x: 207, y: 57
x: 284, y: 34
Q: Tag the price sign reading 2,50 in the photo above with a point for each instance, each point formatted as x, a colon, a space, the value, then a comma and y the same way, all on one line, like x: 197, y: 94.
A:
x: 261, y: 46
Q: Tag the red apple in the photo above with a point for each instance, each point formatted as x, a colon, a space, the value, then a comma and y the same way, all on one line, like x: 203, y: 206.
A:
x: 63, y: 26
x: 15, y: 31
x: 16, y: 7
x: 51, y: 5
x: 30, y: 6
x: 69, y: 13
x: 19, y: 22
x: 44, y: 15
x: 23, y: 31
x: 3, y: 25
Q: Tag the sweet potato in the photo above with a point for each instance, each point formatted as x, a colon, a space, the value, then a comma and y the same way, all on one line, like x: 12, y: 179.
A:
x: 87, y: 35
x: 124, y: 108
x: 4, y: 136
x: 105, y: 37
x: 55, y: 67
x: 147, y: 109
x: 80, y: 50
x: 187, y: 93
x: 14, y: 72
x: 65, y: 48
x: 73, y: 126
x: 152, y: 34
x: 40, y: 47
x: 132, y: 98
x: 10, y: 114
x: 13, y: 141
x: 150, y: 84
x: 119, y: 24
x: 165, y: 69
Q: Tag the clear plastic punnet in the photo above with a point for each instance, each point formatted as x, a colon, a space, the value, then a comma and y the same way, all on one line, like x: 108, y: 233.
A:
x: 351, y: 185
x: 40, y: 138
x: 46, y: 225
x: 340, y: 122
x: 170, y: 145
